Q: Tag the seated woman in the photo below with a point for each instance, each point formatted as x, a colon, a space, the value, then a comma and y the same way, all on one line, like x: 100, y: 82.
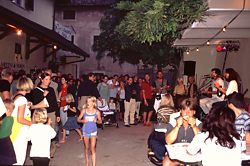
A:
x: 182, y: 128
x: 179, y: 91
x: 219, y: 141
x: 156, y: 140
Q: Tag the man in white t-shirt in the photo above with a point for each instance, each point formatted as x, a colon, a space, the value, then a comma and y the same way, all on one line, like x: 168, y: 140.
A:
x: 206, y: 103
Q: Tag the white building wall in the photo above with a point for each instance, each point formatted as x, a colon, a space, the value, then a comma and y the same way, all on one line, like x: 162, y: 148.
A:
x: 240, y: 61
x: 7, y: 56
x: 42, y: 14
x: 205, y: 60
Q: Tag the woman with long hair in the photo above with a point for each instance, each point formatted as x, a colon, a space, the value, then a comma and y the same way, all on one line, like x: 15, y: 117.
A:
x: 218, y: 135
x: 89, y: 116
x: 232, y: 78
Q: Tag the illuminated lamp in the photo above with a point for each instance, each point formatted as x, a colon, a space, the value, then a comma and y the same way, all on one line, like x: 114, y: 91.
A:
x: 219, y: 48
x: 19, y: 32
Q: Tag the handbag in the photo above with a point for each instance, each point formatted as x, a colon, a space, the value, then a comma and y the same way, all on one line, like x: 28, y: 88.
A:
x: 42, y: 104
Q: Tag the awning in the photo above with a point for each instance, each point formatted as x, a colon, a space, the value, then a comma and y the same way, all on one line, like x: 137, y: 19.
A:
x: 233, y: 15
x: 44, y: 34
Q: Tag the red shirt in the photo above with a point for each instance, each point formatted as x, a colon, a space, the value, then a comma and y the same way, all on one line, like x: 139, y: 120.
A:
x: 64, y: 92
x: 147, y: 88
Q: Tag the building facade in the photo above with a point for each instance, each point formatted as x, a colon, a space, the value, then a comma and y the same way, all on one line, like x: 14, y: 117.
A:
x: 84, y: 16
x: 27, y: 37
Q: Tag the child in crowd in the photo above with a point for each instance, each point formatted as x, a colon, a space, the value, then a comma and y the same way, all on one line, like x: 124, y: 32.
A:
x: 71, y: 122
x: 89, y: 116
x: 7, y: 153
x: 112, y: 104
x: 40, y: 134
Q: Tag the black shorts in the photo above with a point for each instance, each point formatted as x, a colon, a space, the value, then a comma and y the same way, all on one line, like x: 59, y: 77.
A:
x: 150, y: 106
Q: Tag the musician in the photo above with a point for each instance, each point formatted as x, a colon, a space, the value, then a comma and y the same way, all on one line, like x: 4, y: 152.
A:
x: 160, y: 84
x: 206, y: 103
x: 231, y: 77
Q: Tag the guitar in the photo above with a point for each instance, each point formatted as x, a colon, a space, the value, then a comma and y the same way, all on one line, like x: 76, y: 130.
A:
x: 209, y: 92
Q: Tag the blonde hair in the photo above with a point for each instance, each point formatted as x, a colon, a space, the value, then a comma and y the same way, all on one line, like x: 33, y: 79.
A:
x: 40, y: 116
x: 24, y: 84
x: 167, y: 100
x: 69, y: 97
x: 93, y: 99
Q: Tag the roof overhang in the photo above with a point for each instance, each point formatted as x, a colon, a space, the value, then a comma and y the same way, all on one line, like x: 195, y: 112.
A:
x: 46, y: 36
x: 232, y: 14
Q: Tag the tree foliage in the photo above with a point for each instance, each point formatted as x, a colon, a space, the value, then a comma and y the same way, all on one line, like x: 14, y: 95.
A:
x: 146, y: 29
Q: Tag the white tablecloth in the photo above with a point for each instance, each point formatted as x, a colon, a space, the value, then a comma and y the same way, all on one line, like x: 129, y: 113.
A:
x: 178, y: 151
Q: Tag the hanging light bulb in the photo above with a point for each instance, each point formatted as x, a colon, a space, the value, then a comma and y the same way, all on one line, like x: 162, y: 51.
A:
x: 188, y: 52
x: 224, y: 29
x: 19, y: 32
x: 197, y: 49
x: 208, y: 42
x: 55, y: 47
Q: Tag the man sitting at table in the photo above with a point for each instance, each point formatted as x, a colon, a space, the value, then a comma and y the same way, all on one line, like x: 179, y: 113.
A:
x: 237, y: 104
x: 183, y: 128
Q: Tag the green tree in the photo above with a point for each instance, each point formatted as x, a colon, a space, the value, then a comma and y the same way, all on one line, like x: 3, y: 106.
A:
x: 146, y: 29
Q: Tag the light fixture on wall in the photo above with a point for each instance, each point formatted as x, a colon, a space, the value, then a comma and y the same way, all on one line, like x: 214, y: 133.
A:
x: 19, y: 32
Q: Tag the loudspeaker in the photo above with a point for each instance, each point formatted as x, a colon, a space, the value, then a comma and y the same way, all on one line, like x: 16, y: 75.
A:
x: 189, y: 68
x: 18, y: 48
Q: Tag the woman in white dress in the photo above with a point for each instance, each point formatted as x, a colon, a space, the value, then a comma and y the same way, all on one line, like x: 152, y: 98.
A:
x: 22, y: 119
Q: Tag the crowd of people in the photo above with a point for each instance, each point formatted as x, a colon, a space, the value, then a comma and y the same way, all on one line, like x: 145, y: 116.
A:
x: 55, y: 102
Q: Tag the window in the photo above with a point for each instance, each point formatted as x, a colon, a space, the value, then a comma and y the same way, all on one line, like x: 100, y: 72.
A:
x: 72, y: 39
x: 26, y: 4
x: 69, y: 14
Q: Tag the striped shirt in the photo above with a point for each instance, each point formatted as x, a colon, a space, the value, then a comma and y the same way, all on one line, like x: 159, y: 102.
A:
x: 242, y: 121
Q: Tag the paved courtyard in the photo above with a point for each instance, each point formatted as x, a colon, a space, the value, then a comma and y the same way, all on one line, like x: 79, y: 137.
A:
x: 115, y: 147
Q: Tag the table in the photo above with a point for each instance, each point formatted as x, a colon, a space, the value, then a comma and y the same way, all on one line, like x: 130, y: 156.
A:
x: 178, y: 152
x: 246, y: 155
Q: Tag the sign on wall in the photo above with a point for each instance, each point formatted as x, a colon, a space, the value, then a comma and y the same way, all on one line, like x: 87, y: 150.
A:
x: 12, y: 65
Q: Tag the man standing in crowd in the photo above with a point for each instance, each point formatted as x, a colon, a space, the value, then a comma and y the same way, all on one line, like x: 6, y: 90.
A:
x: 160, y: 84
x: 5, y: 83
x: 130, y: 103
x: 87, y: 88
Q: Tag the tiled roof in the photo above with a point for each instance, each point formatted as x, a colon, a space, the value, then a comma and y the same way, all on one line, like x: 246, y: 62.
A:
x: 86, y: 2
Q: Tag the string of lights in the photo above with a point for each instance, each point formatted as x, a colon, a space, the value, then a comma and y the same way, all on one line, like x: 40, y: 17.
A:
x: 222, y: 30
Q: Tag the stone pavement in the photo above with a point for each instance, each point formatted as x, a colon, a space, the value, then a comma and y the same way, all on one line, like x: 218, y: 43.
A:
x: 115, y: 147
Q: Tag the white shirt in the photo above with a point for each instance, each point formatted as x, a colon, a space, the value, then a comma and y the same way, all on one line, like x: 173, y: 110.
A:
x: 40, y: 136
x: 214, y: 89
x: 20, y: 101
x: 232, y: 87
x: 214, y: 154
x: 122, y: 93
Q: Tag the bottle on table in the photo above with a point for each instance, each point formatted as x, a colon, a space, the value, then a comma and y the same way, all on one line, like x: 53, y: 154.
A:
x: 243, y: 140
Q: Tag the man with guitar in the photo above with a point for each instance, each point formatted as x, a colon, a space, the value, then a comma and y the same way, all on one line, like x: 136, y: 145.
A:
x: 160, y: 84
x: 216, y: 96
